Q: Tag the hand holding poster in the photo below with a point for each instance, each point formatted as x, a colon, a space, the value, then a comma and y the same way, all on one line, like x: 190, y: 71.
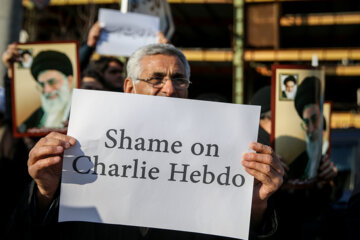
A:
x: 123, y: 33
x: 159, y: 162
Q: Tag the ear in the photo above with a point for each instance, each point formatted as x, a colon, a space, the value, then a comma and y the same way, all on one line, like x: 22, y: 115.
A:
x: 128, y: 86
x: 70, y: 82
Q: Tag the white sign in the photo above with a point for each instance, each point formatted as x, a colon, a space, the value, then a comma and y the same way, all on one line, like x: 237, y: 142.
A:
x: 123, y: 33
x: 159, y: 162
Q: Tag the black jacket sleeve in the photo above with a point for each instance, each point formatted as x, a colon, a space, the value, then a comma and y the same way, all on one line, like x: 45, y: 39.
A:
x: 85, y: 53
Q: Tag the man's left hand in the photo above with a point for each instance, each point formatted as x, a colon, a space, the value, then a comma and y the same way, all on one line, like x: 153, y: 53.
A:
x: 327, y: 169
x: 268, y: 172
x: 94, y: 34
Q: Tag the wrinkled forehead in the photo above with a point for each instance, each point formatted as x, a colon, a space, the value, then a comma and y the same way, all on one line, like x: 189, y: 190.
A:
x: 161, y: 63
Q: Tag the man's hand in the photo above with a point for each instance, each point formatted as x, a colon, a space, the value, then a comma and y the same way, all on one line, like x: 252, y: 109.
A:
x: 10, y: 56
x: 327, y: 169
x: 268, y: 172
x: 162, y: 38
x: 94, y: 34
x: 45, y: 165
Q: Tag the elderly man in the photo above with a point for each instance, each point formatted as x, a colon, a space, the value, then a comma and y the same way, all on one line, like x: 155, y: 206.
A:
x: 110, y: 69
x: 289, y: 87
x: 309, y: 107
x: 53, y: 73
x: 158, y: 69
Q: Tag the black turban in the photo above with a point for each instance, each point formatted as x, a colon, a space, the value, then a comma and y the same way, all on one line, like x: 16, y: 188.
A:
x: 51, y: 60
x: 289, y: 78
x: 308, y: 92
x: 263, y: 98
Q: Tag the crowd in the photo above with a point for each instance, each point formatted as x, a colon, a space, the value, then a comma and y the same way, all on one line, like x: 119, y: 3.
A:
x: 31, y: 166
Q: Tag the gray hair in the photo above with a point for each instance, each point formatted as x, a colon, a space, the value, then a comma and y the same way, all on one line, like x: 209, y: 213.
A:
x: 134, y: 67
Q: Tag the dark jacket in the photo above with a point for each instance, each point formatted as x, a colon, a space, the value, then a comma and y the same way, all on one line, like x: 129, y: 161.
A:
x: 28, y: 223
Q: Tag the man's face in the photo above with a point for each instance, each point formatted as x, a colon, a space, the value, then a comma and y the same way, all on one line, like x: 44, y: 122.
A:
x: 113, y: 76
x: 55, y: 90
x: 26, y: 57
x: 51, y: 82
x: 311, y: 118
x: 289, y: 86
x: 159, y: 65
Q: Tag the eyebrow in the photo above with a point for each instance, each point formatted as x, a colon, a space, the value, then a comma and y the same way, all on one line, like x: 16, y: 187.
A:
x: 48, y: 80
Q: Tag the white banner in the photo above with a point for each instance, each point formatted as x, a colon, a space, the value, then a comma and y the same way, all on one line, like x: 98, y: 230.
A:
x: 123, y: 33
x: 158, y: 8
x: 159, y: 162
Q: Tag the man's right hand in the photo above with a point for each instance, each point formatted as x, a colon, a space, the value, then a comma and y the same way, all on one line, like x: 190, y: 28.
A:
x: 94, y: 34
x: 10, y: 56
x: 45, y: 165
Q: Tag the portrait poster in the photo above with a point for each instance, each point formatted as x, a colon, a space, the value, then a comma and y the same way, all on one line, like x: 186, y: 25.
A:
x: 42, y: 84
x: 297, y: 115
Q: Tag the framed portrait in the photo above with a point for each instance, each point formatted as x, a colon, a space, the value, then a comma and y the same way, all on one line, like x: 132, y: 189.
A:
x: 297, y: 118
x: 41, y: 89
x: 288, y: 86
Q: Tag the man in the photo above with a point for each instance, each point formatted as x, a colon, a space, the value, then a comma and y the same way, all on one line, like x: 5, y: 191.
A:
x: 111, y: 71
x: 26, y: 58
x: 159, y: 70
x: 262, y: 97
x: 290, y: 87
x: 308, y: 106
x: 92, y: 80
x: 53, y: 73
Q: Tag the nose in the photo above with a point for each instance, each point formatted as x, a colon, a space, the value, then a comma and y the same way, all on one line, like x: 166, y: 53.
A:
x: 311, y: 131
x: 47, y: 88
x: 168, y: 89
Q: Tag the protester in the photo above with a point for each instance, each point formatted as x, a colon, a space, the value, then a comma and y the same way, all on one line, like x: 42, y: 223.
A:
x: 263, y: 98
x: 301, y: 206
x: 13, y: 156
x: 88, y: 48
x: 92, y: 80
x: 149, y: 70
x: 111, y: 70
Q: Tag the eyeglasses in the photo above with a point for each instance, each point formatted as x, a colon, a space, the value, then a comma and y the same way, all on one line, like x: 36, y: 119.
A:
x: 159, y: 82
x: 51, y: 83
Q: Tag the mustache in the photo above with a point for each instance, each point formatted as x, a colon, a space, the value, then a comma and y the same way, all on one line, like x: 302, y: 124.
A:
x: 51, y: 94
